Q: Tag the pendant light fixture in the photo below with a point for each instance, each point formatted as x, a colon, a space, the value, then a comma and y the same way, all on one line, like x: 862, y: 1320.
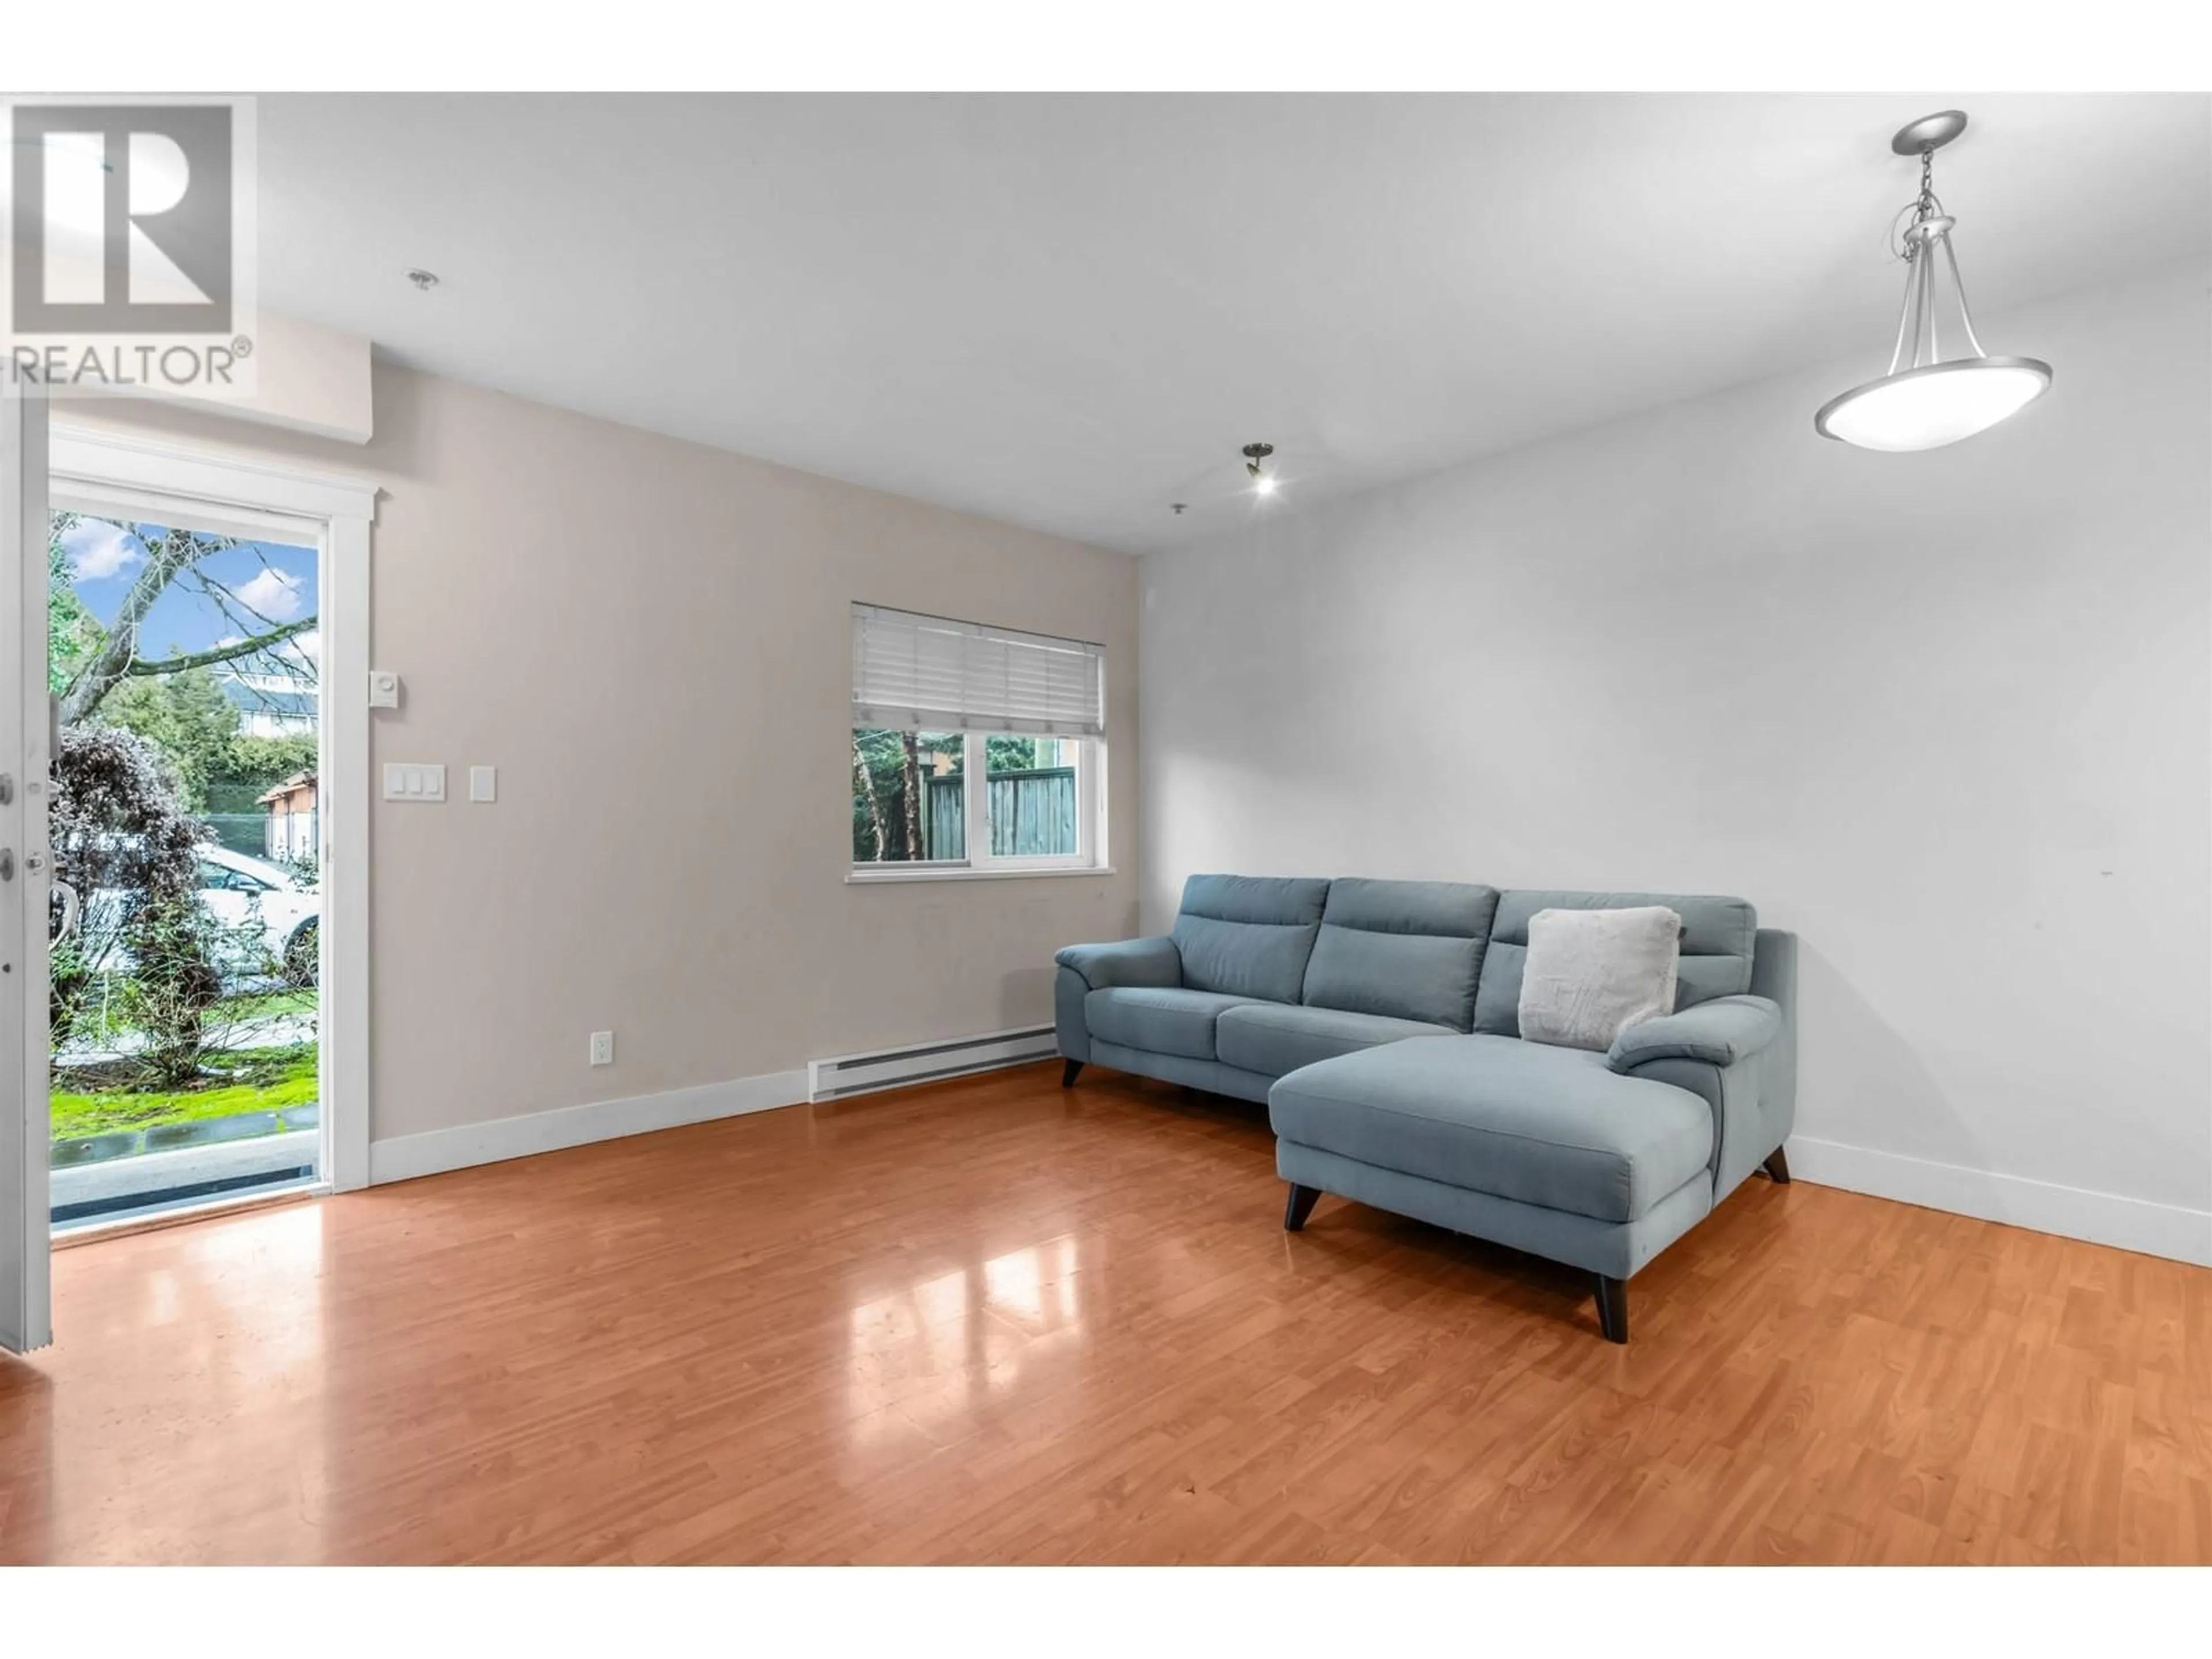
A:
x: 1255, y: 466
x: 1927, y: 400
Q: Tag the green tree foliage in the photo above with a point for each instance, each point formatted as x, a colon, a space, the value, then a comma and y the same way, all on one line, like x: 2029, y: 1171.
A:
x: 184, y: 715
x: 74, y: 635
x: 123, y: 839
x: 262, y: 763
x: 1009, y: 754
x: 147, y: 956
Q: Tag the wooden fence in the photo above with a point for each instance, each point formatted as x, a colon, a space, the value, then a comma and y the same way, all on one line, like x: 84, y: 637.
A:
x: 1032, y: 814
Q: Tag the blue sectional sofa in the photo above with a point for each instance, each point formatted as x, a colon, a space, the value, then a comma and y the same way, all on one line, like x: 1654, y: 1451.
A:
x: 1379, y: 1021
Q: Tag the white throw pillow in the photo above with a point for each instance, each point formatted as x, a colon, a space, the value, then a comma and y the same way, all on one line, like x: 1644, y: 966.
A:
x: 1590, y: 974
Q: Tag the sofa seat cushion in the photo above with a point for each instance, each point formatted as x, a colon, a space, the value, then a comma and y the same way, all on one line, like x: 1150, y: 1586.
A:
x: 1554, y: 1127
x: 1159, y: 1020
x: 1273, y: 1038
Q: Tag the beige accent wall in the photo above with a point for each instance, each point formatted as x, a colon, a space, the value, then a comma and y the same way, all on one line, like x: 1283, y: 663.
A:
x: 649, y: 638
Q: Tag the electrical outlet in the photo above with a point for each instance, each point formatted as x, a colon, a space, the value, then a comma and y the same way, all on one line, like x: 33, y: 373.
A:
x: 602, y: 1047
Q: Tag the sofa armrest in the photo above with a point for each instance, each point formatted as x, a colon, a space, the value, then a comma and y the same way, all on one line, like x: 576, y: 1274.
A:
x: 1721, y: 1032
x: 1084, y: 968
x: 1154, y: 962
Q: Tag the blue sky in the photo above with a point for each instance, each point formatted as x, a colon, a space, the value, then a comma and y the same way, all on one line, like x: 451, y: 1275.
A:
x: 272, y: 583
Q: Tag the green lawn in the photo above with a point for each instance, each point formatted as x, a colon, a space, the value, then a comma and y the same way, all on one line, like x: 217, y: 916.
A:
x: 265, y: 1080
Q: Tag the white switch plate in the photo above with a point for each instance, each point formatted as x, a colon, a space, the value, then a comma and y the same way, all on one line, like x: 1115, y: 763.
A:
x: 483, y: 783
x: 423, y: 783
x: 602, y: 1047
x: 383, y: 690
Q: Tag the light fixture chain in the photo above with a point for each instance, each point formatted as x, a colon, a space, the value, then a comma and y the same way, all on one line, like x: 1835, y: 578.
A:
x: 1924, y: 210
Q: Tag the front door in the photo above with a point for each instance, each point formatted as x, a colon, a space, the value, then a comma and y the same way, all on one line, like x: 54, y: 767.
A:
x: 26, y: 716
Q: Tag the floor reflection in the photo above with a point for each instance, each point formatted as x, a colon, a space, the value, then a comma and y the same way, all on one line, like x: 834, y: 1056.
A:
x: 240, y: 1314
x: 958, y: 1342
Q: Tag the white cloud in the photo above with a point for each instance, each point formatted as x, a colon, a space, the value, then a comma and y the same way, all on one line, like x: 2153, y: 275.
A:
x: 272, y: 593
x: 98, y: 549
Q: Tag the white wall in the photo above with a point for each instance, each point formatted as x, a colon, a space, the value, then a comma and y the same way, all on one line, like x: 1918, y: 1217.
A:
x: 1947, y: 715
x: 651, y: 640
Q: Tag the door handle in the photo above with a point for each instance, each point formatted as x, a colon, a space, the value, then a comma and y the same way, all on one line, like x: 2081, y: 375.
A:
x: 72, y: 909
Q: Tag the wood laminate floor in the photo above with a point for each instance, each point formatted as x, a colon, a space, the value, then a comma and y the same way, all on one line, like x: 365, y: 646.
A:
x: 987, y: 1321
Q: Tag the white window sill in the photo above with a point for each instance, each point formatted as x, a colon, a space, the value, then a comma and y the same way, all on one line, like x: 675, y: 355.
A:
x: 871, y: 878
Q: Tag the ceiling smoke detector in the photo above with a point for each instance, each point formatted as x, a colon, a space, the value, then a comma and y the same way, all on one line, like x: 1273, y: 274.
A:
x: 424, y: 280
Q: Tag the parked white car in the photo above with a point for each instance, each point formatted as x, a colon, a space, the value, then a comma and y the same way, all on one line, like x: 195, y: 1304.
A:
x: 240, y: 891
x: 267, y: 916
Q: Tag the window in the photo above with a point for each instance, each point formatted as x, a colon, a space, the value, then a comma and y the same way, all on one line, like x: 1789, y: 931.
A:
x: 976, y: 749
x: 217, y: 878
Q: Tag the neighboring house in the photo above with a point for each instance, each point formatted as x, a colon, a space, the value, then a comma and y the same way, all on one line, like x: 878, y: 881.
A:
x: 291, y: 823
x: 271, y: 705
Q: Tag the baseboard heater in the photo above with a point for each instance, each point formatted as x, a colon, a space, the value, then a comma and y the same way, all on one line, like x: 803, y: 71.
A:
x: 924, y: 1062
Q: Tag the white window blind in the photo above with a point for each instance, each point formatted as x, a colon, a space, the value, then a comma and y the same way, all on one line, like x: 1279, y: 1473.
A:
x: 918, y: 673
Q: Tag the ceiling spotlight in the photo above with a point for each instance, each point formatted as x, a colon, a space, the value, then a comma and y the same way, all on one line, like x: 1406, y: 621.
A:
x: 1927, y: 400
x: 1255, y: 455
x: 424, y: 280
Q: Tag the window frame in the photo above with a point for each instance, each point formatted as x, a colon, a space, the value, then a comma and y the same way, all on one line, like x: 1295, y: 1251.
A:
x: 1087, y: 859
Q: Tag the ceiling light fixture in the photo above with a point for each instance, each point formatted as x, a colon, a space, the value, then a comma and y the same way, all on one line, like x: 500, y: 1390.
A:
x: 1929, y: 401
x: 1255, y: 456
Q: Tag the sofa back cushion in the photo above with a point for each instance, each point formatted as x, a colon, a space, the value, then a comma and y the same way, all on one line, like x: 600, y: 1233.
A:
x: 1409, y: 950
x: 1718, y: 939
x: 1248, y: 935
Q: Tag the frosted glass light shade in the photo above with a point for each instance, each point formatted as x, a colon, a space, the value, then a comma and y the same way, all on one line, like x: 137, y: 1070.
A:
x: 1940, y: 404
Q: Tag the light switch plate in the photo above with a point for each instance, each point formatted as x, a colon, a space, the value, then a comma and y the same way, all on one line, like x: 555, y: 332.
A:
x: 383, y: 690
x: 409, y: 782
x: 483, y: 783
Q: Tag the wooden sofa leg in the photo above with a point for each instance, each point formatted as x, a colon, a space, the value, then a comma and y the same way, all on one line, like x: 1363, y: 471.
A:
x: 1303, y: 1199
x: 1612, y: 1308
x: 1777, y: 1169
x: 1069, y: 1071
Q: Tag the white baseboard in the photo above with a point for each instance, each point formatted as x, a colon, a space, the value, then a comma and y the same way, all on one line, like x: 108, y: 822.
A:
x: 405, y: 1156
x: 2130, y: 1223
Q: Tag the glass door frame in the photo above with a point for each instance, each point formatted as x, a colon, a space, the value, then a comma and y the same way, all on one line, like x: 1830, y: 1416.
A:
x: 97, y: 471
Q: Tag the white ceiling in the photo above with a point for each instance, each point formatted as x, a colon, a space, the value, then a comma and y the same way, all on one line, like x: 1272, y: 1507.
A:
x: 1067, y: 311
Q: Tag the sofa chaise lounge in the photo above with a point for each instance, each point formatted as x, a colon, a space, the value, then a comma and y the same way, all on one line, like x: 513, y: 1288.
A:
x: 1379, y: 1021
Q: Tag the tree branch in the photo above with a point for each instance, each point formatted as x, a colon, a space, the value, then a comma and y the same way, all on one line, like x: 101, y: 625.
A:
x: 168, y: 555
x: 215, y: 653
